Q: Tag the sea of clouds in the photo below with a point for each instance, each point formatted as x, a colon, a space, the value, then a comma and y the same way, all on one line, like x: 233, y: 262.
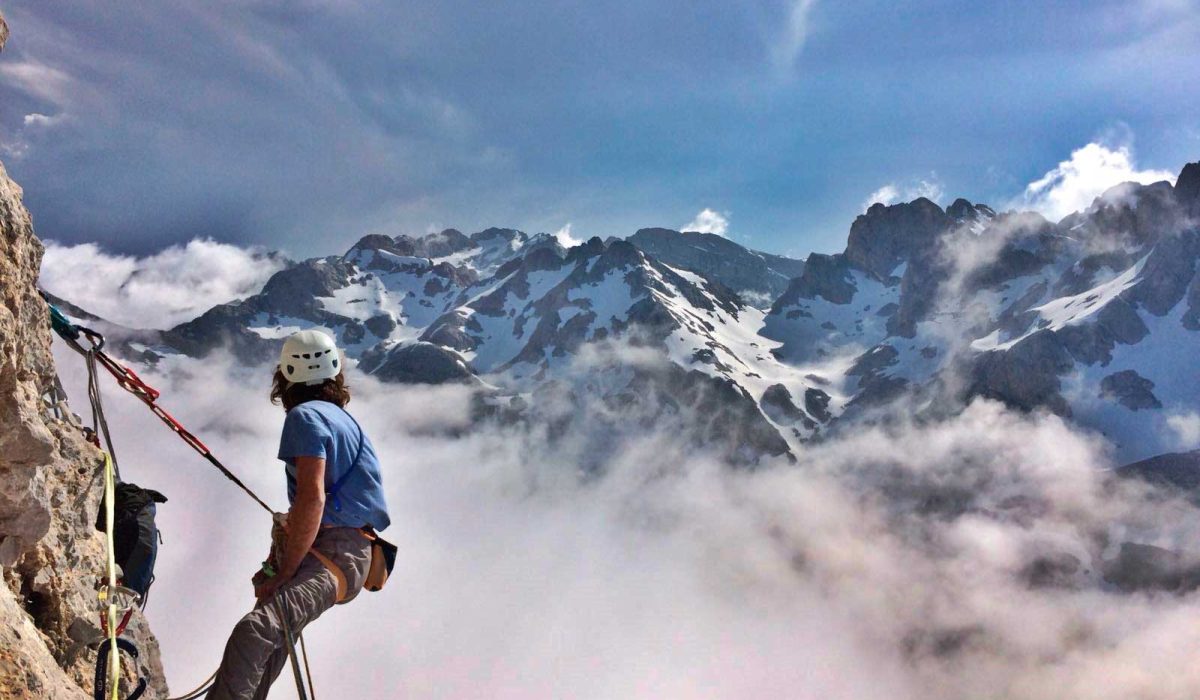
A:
x: 947, y: 559
x: 894, y: 562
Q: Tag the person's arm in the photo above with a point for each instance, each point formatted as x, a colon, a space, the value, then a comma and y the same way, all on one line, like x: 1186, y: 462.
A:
x: 303, y: 520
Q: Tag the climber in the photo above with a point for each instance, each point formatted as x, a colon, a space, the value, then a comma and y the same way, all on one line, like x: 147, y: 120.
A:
x: 336, y: 493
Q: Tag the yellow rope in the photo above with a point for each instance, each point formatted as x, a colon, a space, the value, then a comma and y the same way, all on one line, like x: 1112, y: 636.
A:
x: 110, y: 514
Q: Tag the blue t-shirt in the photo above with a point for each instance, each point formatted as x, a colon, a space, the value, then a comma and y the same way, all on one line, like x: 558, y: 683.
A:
x: 323, y: 429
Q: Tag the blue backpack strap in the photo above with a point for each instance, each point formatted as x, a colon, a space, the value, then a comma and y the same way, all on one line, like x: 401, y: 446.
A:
x: 332, y: 493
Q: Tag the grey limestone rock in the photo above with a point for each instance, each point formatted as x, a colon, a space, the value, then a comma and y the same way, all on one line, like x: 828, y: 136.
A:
x: 418, y: 363
x: 1134, y: 391
x: 886, y: 236
x: 824, y: 276
x: 50, y: 553
x: 720, y: 259
x: 1025, y: 376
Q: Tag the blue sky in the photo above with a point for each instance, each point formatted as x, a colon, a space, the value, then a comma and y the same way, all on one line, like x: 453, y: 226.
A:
x: 303, y: 125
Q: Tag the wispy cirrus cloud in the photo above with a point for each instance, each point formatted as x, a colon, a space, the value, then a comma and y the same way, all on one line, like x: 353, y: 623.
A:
x: 793, y: 34
x: 39, y: 80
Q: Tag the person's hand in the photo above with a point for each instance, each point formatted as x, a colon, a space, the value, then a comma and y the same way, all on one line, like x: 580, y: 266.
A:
x: 265, y: 587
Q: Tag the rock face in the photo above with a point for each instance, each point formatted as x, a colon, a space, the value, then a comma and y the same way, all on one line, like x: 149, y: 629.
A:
x: 886, y: 236
x: 419, y: 363
x: 50, y: 481
x: 1144, y: 567
x: 1134, y: 391
x: 755, y: 275
x: 3, y: 31
x: 1179, y: 470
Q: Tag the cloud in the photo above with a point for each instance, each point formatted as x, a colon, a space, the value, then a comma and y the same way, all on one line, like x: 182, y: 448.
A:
x: 156, y: 291
x: 1074, y: 183
x: 39, y: 80
x: 44, y: 121
x: 565, y: 239
x: 1186, y: 430
x: 794, y: 34
x: 892, y: 193
x: 709, y: 221
x: 931, y: 560
x: 887, y: 194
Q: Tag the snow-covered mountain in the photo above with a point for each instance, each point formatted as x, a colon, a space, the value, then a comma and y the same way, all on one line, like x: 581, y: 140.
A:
x: 1094, y: 317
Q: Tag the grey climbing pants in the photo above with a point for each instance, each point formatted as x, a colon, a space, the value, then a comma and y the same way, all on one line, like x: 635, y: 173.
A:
x: 256, y: 651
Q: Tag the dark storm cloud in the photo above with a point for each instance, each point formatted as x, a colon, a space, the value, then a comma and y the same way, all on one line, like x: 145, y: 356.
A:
x: 304, y: 125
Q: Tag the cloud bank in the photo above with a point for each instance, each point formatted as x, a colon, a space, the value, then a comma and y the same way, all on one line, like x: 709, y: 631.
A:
x: 947, y: 560
x: 931, y: 560
x: 161, y: 290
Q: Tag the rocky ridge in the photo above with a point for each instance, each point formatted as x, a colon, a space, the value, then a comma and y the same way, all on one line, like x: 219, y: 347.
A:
x: 754, y: 275
x: 1093, y: 317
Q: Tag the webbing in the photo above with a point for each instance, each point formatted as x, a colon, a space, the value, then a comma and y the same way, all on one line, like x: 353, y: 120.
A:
x: 128, y: 380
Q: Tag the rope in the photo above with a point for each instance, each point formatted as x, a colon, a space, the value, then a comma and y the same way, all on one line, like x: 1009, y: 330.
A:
x: 307, y: 671
x: 199, y: 691
x: 99, y: 422
x: 128, y: 380
x: 291, y: 644
x: 110, y: 497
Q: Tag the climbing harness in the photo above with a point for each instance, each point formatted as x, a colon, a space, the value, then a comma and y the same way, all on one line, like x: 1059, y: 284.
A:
x: 108, y: 663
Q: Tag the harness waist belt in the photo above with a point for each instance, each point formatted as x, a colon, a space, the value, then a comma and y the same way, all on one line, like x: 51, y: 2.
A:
x: 339, y: 575
x: 337, y: 572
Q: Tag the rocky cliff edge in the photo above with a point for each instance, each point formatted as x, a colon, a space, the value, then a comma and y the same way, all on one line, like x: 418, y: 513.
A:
x: 51, y: 478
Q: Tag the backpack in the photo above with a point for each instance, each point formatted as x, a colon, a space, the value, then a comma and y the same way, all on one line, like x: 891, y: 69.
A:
x: 135, y: 535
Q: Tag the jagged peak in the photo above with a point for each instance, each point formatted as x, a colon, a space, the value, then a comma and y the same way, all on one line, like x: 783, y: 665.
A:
x: 436, y: 245
x: 492, y: 232
x: 1187, y: 188
x: 401, y: 245
x: 621, y: 253
x: 886, y: 236
x: 1131, y: 193
x: 588, y: 249
x: 645, y: 235
x: 963, y: 210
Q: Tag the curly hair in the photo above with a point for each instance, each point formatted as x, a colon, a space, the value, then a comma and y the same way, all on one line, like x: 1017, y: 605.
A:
x: 293, y: 394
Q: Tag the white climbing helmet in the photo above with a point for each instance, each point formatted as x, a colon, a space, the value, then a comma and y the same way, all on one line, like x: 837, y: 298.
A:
x: 309, y: 357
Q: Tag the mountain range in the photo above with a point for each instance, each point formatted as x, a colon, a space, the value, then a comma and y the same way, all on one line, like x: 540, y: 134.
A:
x: 1094, y: 318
